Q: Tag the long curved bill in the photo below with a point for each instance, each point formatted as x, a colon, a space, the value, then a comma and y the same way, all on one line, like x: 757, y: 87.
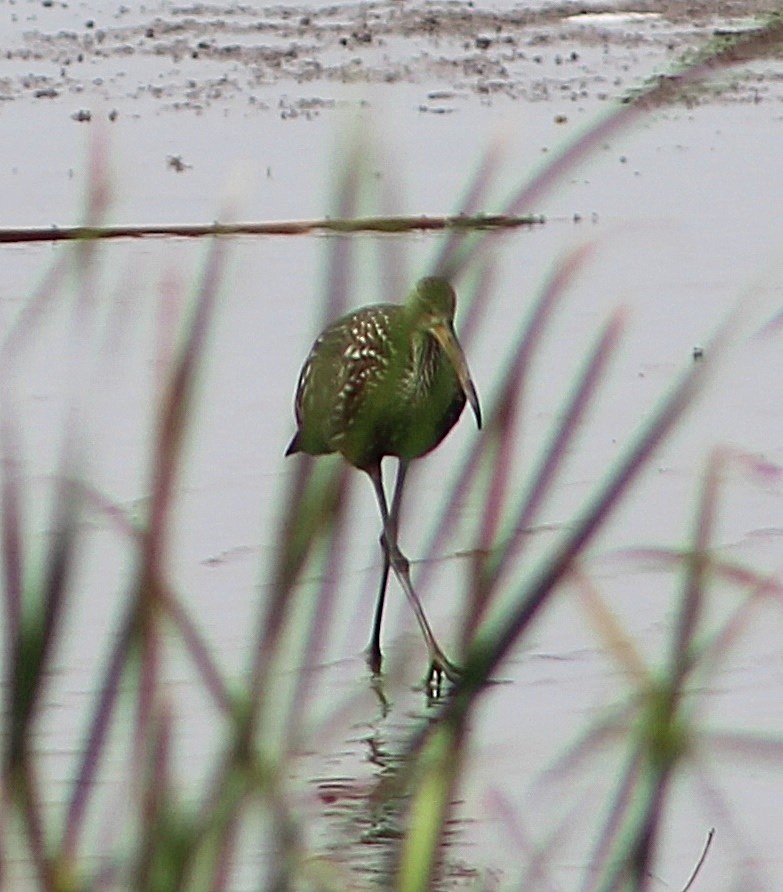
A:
x: 448, y: 340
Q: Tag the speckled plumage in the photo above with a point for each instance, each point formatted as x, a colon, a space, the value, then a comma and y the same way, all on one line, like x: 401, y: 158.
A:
x: 377, y: 382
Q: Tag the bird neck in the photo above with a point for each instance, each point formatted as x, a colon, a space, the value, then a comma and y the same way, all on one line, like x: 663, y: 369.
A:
x: 425, y: 352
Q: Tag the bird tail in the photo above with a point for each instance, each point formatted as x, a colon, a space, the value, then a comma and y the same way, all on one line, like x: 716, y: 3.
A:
x: 294, y: 445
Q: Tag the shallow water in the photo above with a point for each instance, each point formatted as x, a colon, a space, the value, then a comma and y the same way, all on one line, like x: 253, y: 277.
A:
x: 682, y: 213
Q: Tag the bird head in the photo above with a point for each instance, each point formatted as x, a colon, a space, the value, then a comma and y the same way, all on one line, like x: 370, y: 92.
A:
x: 432, y: 304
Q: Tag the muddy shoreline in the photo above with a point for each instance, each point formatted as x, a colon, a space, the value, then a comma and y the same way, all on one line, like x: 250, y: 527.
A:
x: 194, y: 56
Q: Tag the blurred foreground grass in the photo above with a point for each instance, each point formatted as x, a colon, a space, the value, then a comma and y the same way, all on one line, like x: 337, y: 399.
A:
x: 166, y: 841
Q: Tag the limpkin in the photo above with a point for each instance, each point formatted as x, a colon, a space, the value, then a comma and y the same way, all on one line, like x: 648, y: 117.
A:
x: 387, y: 379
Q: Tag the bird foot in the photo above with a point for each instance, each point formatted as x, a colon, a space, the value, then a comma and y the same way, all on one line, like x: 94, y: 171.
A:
x: 374, y: 659
x: 440, y: 667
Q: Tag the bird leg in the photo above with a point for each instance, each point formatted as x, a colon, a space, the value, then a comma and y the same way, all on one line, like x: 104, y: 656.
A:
x: 439, y: 663
x: 374, y: 656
